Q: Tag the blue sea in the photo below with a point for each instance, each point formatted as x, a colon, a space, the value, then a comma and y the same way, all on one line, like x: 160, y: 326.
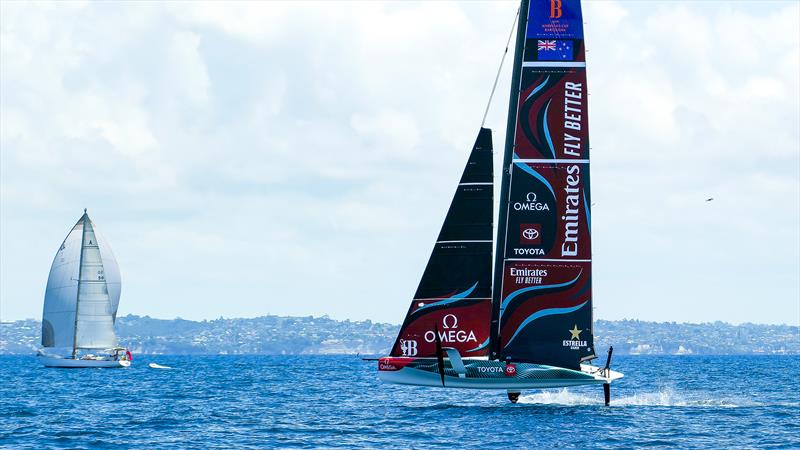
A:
x: 337, y: 401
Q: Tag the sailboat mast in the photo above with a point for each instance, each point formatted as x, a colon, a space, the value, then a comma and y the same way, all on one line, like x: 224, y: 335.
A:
x: 78, y: 295
x: 508, y: 151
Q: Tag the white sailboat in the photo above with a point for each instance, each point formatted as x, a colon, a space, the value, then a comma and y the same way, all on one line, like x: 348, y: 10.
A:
x: 80, y: 303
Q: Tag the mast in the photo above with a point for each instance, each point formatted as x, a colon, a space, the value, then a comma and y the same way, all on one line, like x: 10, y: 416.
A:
x: 78, y: 296
x: 508, y: 150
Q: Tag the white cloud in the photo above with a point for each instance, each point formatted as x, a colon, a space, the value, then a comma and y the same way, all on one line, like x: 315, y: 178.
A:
x: 391, y: 133
x: 299, y: 158
x: 187, y: 71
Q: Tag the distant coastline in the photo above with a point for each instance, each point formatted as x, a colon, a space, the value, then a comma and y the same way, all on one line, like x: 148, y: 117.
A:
x: 277, y: 335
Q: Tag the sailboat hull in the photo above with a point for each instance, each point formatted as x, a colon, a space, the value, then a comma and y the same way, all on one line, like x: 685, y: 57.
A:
x: 69, y: 363
x: 485, y: 374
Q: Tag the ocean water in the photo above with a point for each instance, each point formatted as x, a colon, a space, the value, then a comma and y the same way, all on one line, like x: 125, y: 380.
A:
x: 337, y: 401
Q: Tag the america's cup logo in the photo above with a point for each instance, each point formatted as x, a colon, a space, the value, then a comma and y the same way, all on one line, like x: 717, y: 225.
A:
x: 408, y: 347
x: 555, y: 9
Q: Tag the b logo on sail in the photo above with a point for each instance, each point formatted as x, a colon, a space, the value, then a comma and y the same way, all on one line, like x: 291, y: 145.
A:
x: 555, y: 9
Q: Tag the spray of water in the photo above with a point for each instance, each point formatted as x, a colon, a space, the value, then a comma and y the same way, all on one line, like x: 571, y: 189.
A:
x: 666, y: 396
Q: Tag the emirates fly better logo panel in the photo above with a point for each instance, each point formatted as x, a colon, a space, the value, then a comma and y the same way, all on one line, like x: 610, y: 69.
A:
x: 549, y: 206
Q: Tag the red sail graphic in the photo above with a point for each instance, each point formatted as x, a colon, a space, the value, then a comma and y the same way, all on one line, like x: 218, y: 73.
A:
x: 552, y: 114
x: 465, y: 328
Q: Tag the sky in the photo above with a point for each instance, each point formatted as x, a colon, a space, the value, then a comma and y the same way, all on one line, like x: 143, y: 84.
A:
x: 299, y: 158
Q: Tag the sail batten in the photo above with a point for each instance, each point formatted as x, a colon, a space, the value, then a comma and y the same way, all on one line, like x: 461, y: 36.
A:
x: 542, y: 301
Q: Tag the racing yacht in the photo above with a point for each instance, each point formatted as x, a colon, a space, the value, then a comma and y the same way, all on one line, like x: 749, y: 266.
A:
x: 513, y: 311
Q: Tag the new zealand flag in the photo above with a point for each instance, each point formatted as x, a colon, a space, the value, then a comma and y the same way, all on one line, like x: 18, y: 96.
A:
x: 554, y: 50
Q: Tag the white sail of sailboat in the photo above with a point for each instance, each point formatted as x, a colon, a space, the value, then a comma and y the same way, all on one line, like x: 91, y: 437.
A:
x: 81, y: 301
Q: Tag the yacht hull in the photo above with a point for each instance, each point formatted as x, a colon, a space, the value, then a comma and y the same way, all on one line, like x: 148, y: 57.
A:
x: 69, y: 363
x: 485, y: 374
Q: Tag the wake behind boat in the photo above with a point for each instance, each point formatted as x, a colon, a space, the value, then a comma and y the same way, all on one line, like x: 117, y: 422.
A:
x: 80, y: 304
x: 524, y: 322
x: 158, y: 366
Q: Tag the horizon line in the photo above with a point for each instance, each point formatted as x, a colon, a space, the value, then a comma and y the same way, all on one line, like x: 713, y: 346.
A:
x: 326, y: 316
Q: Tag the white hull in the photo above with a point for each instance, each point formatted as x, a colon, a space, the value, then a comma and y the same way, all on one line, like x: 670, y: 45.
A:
x: 69, y: 363
x: 483, y: 374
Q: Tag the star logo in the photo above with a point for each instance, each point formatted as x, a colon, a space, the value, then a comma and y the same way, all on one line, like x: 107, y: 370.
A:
x: 575, y: 332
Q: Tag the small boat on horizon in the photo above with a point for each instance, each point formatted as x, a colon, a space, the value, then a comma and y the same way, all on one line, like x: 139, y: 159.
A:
x: 80, y: 303
x: 525, y: 320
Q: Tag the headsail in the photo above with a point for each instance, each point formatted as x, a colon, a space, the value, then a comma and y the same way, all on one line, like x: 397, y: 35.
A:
x: 454, y: 295
x: 543, y: 301
x: 94, y: 327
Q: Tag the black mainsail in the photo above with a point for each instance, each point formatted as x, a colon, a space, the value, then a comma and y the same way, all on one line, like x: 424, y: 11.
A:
x: 454, y: 296
x: 542, y: 305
